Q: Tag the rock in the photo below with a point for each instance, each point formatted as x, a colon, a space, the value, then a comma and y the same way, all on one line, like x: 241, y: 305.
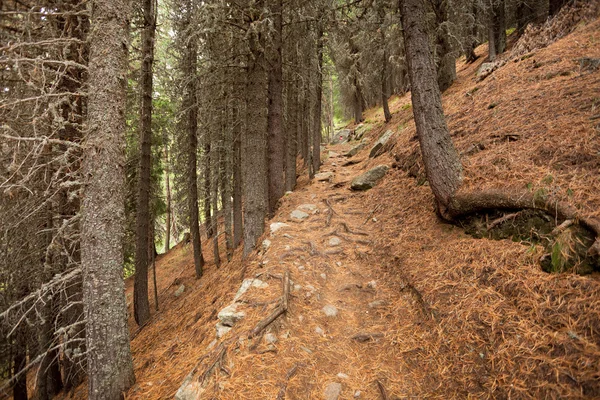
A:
x: 334, y: 241
x: 275, y: 226
x: 288, y: 236
x: 297, y: 287
x: 190, y: 389
x: 288, y: 192
x: 487, y: 68
x: 179, y: 290
x: 229, y: 315
x: 377, y: 303
x: 369, y: 179
x: 222, y: 330
x: 212, y: 344
x: 308, y: 207
x: 324, y: 176
x: 311, y: 288
x: 266, y: 244
x: 333, y: 391
x: 271, y: 338
x: 300, y: 267
x: 298, y: 215
x: 323, y: 276
x: 357, y: 394
x: 319, y: 331
x: 354, y: 151
x: 340, y: 136
x: 376, y: 150
x: 333, y: 154
x: 247, y: 284
x: 342, y: 375
x: 330, y: 311
x: 372, y: 284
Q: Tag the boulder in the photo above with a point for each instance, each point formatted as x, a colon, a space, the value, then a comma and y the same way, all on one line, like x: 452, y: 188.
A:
x: 179, y: 290
x: 340, y: 136
x: 324, y: 176
x: 222, y: 330
x: 354, y: 151
x: 369, y: 179
x: 376, y: 150
x: 308, y: 207
x: 230, y: 315
x: 298, y: 215
x: 360, y: 131
x: 247, y: 284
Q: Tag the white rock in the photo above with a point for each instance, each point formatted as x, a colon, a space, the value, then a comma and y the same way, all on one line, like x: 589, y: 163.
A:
x: 324, y: 176
x: 319, y: 331
x: 229, y: 315
x: 301, y: 318
x: 266, y: 244
x: 311, y: 288
x: 342, y: 375
x: 334, y: 241
x: 377, y: 303
x: 287, y: 247
x: 297, y: 287
x: 324, y: 276
x: 288, y: 192
x: 372, y: 285
x: 179, y: 290
x: 300, y: 267
x: 333, y: 391
x: 330, y: 310
x: 333, y: 154
x: 298, y: 215
x: 247, y: 284
x: 271, y: 338
x: 275, y: 226
x: 285, y: 235
x: 307, y: 207
x: 357, y: 394
x: 222, y: 330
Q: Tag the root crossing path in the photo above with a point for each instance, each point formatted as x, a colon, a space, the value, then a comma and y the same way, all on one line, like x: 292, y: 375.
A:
x: 338, y: 337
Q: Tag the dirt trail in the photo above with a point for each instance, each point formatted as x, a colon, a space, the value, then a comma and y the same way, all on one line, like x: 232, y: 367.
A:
x: 332, y: 263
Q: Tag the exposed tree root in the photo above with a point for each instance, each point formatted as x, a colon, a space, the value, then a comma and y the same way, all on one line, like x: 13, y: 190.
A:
x: 382, y: 391
x: 465, y: 203
x: 289, y: 375
x: 279, y: 310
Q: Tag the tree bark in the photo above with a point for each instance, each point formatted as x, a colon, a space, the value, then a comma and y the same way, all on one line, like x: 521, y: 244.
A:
x: 19, y: 363
x: 237, y: 183
x: 254, y: 146
x: 109, y: 363
x: 446, y: 62
x: 190, y: 104
x: 141, y: 306
x: 214, y: 195
x: 316, y: 145
x: 291, y: 129
x: 442, y: 164
x: 384, y: 82
x: 168, y: 198
x: 208, y: 221
x: 497, y: 29
x: 276, y: 156
x: 471, y: 39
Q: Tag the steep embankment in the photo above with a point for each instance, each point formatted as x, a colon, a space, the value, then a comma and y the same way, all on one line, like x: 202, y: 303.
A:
x: 451, y: 316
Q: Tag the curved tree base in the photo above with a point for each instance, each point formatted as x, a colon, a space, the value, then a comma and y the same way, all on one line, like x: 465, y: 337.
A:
x: 469, y: 202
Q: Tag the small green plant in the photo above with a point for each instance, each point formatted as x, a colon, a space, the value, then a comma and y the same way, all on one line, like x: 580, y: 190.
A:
x: 548, y: 179
x: 510, y: 31
x: 557, y: 260
x: 406, y: 106
x: 540, y: 195
x: 569, y: 193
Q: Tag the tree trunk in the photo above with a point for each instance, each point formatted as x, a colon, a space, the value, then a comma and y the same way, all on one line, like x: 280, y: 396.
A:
x: 276, y: 156
x: 216, y: 161
x: 291, y: 128
x: 555, y: 6
x: 384, y: 82
x: 446, y: 62
x: 109, y: 363
x: 19, y: 363
x: 141, y: 306
x: 471, y: 39
x: 237, y: 183
x: 190, y: 104
x: 358, y: 102
x: 254, y: 146
x: 442, y: 164
x: 168, y: 198
x: 208, y: 221
x: 316, y: 149
x: 152, y: 258
x: 497, y: 29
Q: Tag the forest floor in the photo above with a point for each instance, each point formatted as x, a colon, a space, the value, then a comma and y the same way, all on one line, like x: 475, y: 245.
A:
x: 438, y: 313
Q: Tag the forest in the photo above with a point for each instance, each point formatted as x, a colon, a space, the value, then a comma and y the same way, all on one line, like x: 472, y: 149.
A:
x: 403, y: 193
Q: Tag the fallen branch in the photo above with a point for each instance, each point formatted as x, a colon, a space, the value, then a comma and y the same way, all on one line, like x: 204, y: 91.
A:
x: 502, y: 219
x: 373, y: 211
x: 382, y: 391
x: 280, y: 309
x: 365, y: 337
x: 347, y: 229
x: 288, y: 376
x: 222, y: 349
x: 560, y: 228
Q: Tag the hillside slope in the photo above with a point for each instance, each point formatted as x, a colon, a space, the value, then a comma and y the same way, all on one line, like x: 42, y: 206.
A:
x: 442, y: 315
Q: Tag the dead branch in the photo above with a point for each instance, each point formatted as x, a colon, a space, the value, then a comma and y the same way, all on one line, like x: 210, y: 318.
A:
x: 560, y: 228
x: 502, y: 219
x: 279, y: 310
x: 382, y: 391
x: 290, y: 374
x: 373, y: 211
x: 222, y: 349
x: 365, y: 337
x: 349, y: 230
